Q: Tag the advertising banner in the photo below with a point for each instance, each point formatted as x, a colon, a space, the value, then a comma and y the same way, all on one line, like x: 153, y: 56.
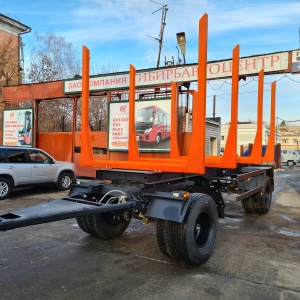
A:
x: 248, y: 66
x: 296, y: 61
x: 17, y: 127
x: 152, y: 125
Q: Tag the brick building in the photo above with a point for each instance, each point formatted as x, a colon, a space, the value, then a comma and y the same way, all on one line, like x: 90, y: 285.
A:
x: 11, y: 30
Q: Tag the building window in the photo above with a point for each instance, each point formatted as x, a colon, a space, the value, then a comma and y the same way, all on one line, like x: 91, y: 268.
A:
x: 222, y: 137
x: 285, y: 141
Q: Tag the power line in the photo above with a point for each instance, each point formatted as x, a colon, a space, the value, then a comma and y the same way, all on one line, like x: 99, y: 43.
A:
x: 207, y: 5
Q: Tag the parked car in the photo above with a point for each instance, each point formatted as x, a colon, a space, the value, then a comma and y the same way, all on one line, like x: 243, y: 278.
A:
x: 289, y: 157
x: 26, y: 166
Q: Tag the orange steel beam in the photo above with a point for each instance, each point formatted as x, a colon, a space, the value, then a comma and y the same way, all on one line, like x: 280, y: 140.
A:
x: 193, y: 163
x: 270, y: 152
x: 196, y: 156
x: 256, y: 154
x: 86, y: 145
x: 229, y: 160
x: 174, y: 151
x: 133, y: 152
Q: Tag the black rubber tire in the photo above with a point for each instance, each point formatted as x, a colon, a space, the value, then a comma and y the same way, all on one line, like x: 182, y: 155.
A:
x: 6, y: 186
x: 64, y: 181
x: 290, y: 163
x: 83, y: 224
x: 263, y: 204
x: 196, y: 237
x: 105, y: 226
x: 249, y: 205
x: 165, y: 238
x: 158, y: 138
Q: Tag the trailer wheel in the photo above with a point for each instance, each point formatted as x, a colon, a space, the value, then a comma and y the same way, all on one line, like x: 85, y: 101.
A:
x: 263, y: 202
x: 165, y: 238
x: 6, y: 186
x: 196, y: 237
x: 83, y: 224
x: 107, y: 225
x: 249, y: 205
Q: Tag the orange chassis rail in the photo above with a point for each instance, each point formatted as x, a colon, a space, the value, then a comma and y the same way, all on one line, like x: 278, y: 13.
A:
x: 196, y: 161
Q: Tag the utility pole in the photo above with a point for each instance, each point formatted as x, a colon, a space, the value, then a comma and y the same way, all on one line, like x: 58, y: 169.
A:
x: 162, y: 27
x: 161, y: 34
x: 214, y: 106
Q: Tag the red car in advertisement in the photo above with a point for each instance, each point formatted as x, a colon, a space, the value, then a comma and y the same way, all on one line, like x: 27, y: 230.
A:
x: 152, y: 124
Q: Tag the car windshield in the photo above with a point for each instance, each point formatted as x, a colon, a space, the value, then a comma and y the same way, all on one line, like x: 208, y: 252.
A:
x: 145, y: 115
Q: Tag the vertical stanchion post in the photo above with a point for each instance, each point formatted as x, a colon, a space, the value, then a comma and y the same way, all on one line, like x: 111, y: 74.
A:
x: 133, y: 152
x: 86, y: 155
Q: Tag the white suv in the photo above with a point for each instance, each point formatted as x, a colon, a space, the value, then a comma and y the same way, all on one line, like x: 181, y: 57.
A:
x: 26, y: 166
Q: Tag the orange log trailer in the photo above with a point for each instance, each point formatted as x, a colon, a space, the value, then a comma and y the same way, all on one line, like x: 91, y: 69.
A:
x: 181, y: 193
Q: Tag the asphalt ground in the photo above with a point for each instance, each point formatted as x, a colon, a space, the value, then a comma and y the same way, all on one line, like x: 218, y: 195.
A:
x: 256, y: 256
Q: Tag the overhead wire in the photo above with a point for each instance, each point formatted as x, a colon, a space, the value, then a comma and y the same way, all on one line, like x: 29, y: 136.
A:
x: 203, y: 5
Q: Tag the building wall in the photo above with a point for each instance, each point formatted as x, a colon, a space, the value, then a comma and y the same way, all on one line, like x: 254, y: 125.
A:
x: 246, y: 135
x: 290, y: 137
x: 212, y: 140
x: 213, y: 131
x: 10, y: 28
x: 4, y: 37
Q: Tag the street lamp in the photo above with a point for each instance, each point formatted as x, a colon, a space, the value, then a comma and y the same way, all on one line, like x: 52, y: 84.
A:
x: 181, y: 41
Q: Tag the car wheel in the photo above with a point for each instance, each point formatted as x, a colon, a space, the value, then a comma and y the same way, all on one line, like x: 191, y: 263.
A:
x: 64, y: 181
x: 290, y: 163
x: 6, y: 186
x: 157, y: 139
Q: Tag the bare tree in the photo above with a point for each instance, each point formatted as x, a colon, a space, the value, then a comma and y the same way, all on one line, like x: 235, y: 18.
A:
x: 52, y: 58
x: 98, y: 106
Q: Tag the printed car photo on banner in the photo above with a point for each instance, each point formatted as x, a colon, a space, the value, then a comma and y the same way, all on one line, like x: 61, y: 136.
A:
x: 17, y: 127
x: 152, y: 125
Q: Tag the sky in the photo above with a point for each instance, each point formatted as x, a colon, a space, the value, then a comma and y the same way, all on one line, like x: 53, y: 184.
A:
x: 123, y: 32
